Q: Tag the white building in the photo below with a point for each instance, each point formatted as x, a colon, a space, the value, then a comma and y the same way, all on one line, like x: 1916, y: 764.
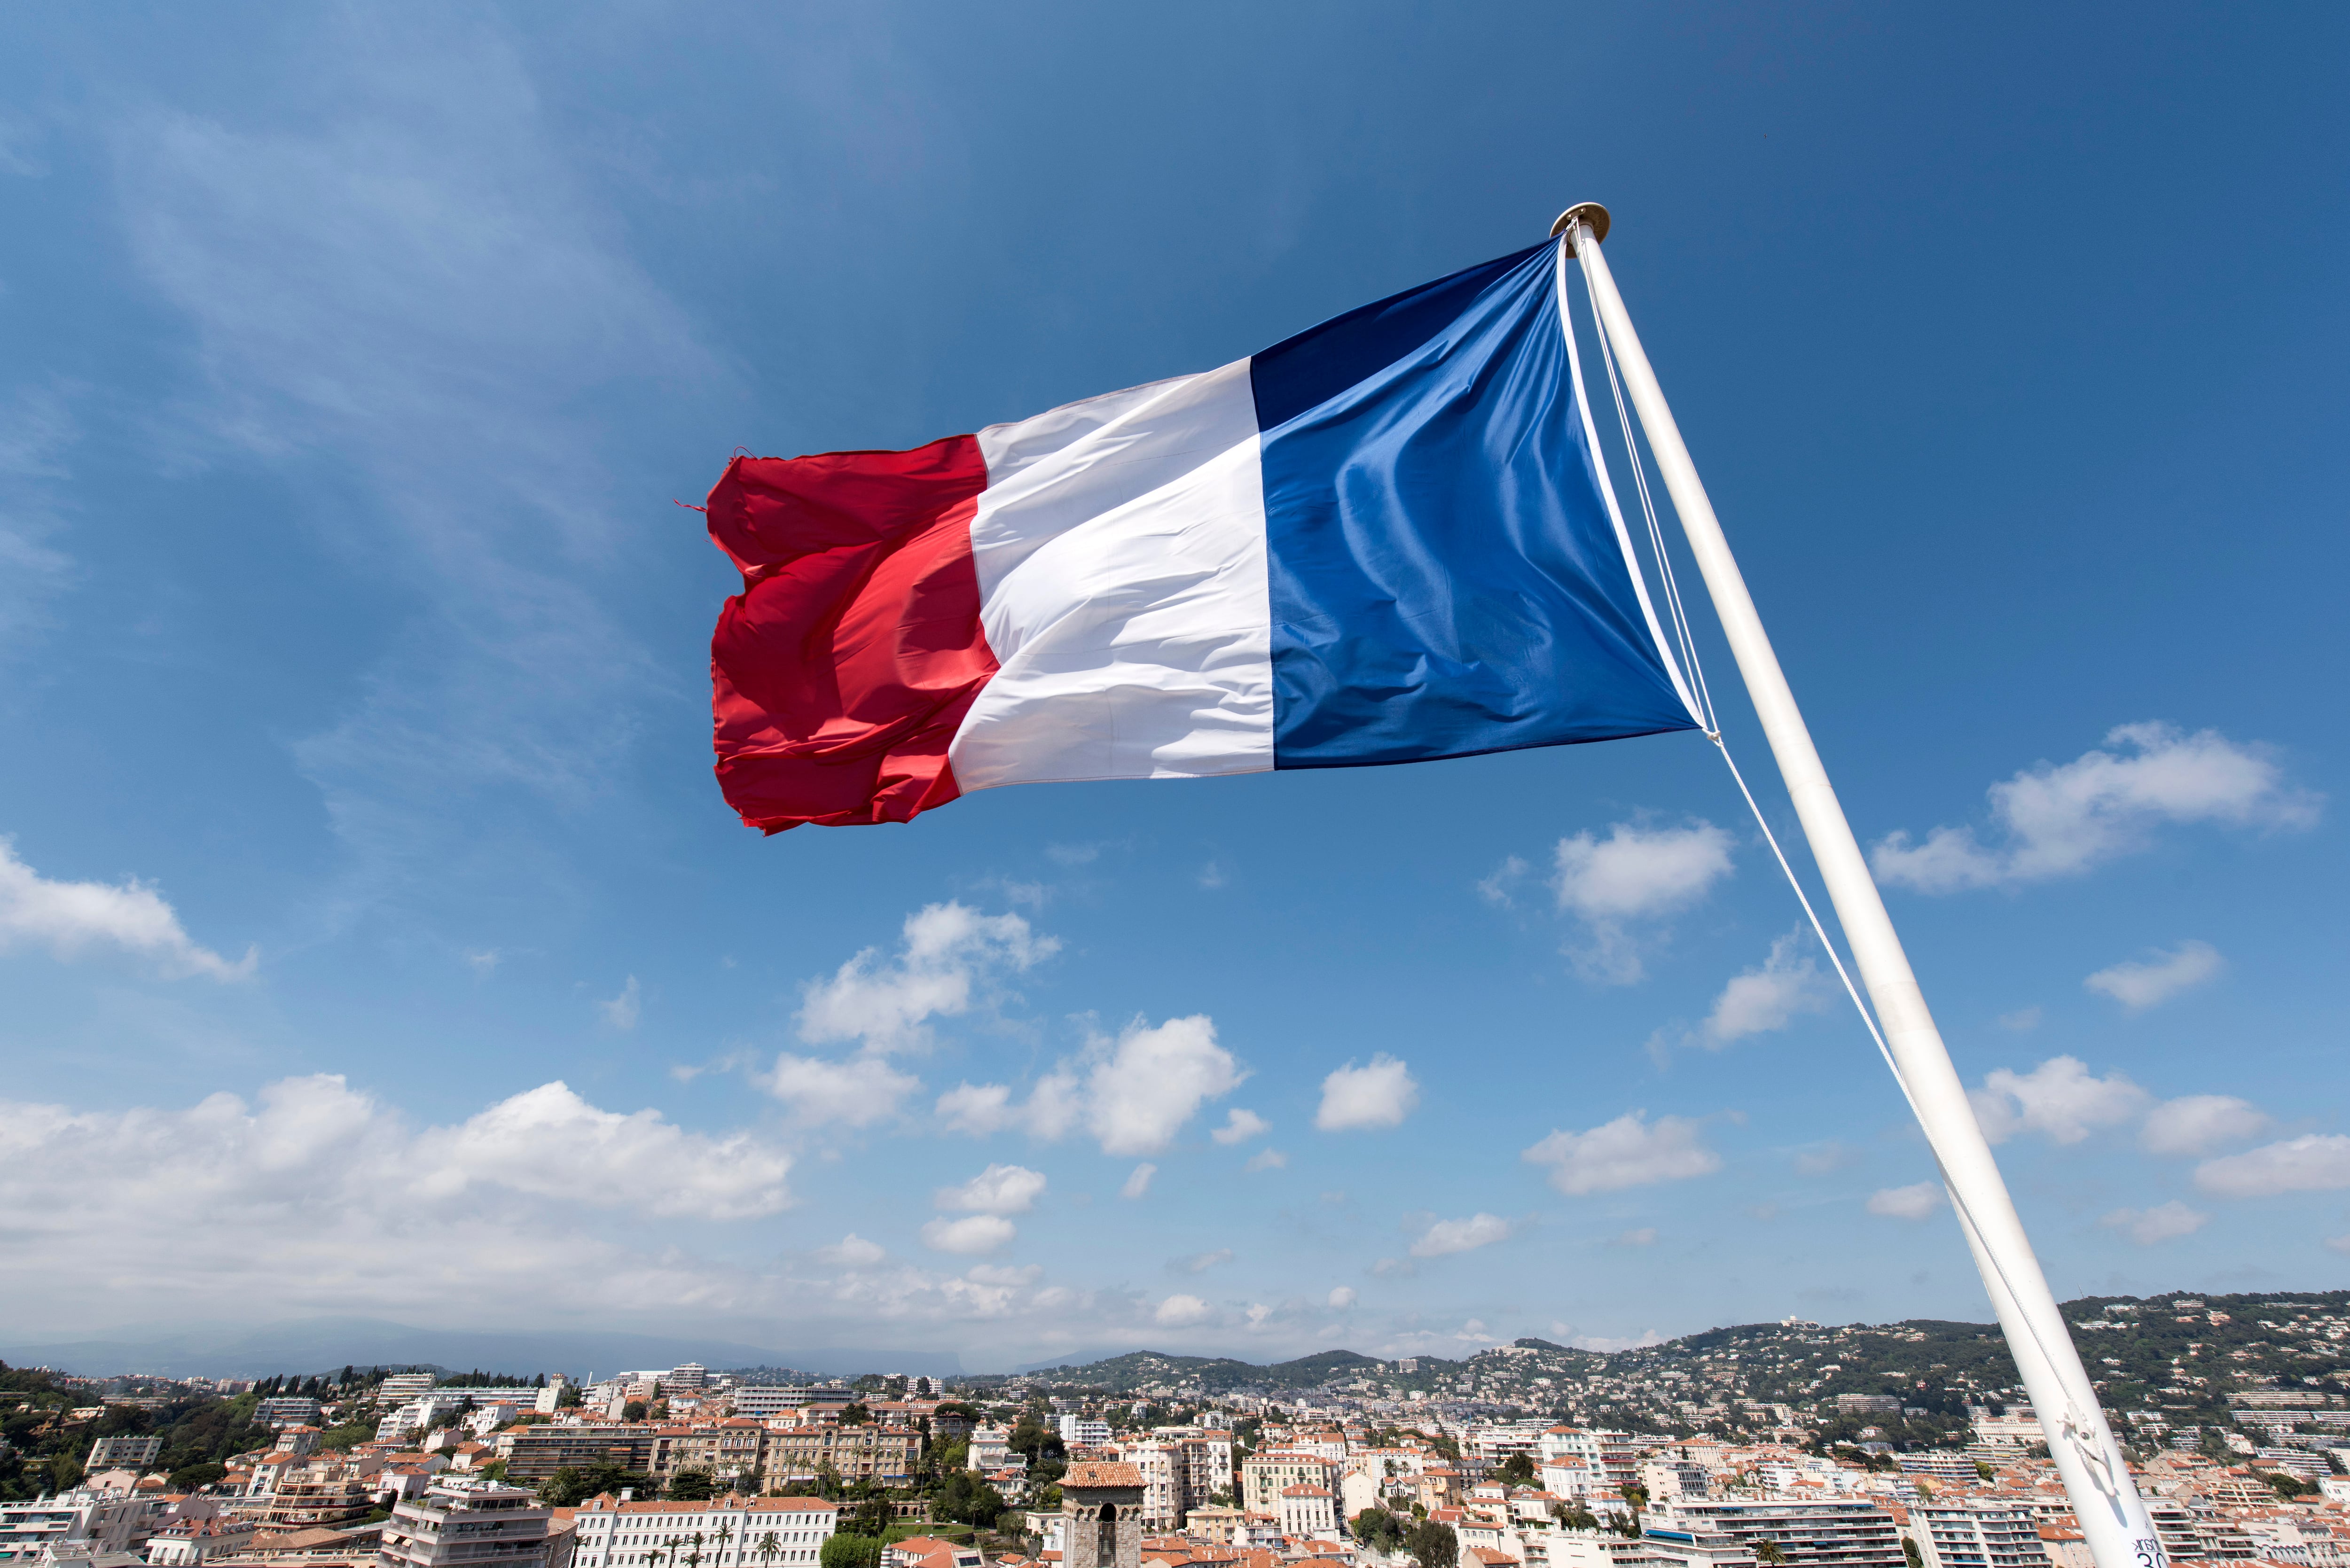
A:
x: 758, y: 1532
x: 768, y: 1401
x: 1308, y: 1514
x: 189, y: 1543
x: 1161, y: 1472
x: 137, y: 1453
x: 990, y: 1443
x: 466, y: 1524
x: 550, y: 1399
x: 403, y: 1386
x: 82, y: 1522
x: 1084, y: 1431
x: 1968, y: 1535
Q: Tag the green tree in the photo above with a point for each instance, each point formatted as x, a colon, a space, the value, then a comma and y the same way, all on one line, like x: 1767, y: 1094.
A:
x: 198, y: 1476
x: 634, y: 1411
x: 1910, y: 1553
x: 692, y: 1486
x: 1378, y: 1530
x: 1517, y: 1469
x: 1768, y: 1551
x: 855, y: 1414
x: 571, y: 1486
x: 769, y: 1548
x: 851, y: 1552
x: 1432, y: 1545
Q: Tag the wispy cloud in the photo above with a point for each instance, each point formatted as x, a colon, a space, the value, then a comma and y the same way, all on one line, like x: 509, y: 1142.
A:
x: 404, y: 303
x: 2163, y: 1222
x: 71, y: 919
x: 1619, y: 885
x: 1917, y: 1201
x: 2137, y: 986
x: 2063, y: 820
x: 1630, y: 1151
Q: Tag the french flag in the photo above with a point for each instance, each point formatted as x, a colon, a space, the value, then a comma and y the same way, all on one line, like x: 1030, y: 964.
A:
x: 1388, y: 539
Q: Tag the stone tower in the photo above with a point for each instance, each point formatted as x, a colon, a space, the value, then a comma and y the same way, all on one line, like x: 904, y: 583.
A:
x: 1101, y: 1505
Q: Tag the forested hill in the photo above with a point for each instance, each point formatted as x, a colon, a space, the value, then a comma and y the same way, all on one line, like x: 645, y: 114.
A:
x: 2179, y: 1353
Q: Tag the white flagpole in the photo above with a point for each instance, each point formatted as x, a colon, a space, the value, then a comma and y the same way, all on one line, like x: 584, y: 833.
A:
x: 2113, y: 1518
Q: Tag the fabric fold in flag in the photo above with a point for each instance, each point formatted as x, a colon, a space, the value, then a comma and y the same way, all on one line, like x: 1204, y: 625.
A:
x: 1383, y: 540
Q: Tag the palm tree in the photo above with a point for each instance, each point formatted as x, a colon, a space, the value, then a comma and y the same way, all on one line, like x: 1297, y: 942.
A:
x: 724, y: 1534
x: 1768, y: 1551
x: 769, y: 1548
x: 693, y: 1558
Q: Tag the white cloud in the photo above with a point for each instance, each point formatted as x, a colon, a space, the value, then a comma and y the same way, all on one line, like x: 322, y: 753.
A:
x: 1626, y: 1152
x: 2315, y: 1162
x: 1378, y: 1094
x: 1833, y: 1155
x: 972, y: 1235
x: 623, y: 1010
x: 2142, y: 985
x: 1646, y: 1236
x: 2061, y: 821
x: 1446, y: 1237
x: 1241, y: 1126
x: 854, y: 1252
x: 1266, y: 1159
x: 1768, y: 998
x: 2164, y: 1223
x: 1138, y: 1182
x: 1342, y: 1298
x: 946, y: 951
x: 1153, y: 1080
x: 485, y: 963
x: 1213, y: 875
x: 1914, y: 1203
x: 1635, y: 874
x: 549, y: 1142
x: 2060, y: 1098
x: 1073, y: 854
x: 1606, y: 1345
x: 337, y: 1198
x: 2199, y: 1123
x: 1180, y: 1312
x: 998, y: 1189
x: 2023, y: 1021
x: 1133, y: 1093
x: 1200, y: 1262
x: 68, y: 918
x: 413, y: 289
x: 854, y: 1094
x: 977, y: 1109
x: 1500, y: 887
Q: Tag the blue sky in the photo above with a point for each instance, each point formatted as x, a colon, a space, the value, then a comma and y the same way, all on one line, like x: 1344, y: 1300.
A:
x: 353, y: 677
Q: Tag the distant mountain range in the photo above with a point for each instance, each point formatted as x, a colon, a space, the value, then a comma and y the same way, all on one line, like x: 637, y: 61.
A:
x: 328, y: 1343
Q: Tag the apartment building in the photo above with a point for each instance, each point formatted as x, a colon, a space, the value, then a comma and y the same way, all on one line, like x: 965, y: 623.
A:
x: 798, y: 1455
x: 191, y: 1542
x: 287, y: 1412
x: 538, y: 1452
x: 467, y: 1525
x: 132, y: 1453
x: 1083, y: 1432
x: 1807, y: 1535
x: 770, y: 1401
x: 1975, y: 1535
x: 729, y: 1532
x: 729, y: 1450
x: 79, y: 1522
x: 1264, y: 1477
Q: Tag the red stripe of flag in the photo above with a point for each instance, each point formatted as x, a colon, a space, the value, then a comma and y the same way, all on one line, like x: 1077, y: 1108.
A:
x: 842, y: 670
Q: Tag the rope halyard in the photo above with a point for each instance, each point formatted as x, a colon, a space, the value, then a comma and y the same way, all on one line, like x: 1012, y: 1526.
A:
x: 2076, y: 1423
